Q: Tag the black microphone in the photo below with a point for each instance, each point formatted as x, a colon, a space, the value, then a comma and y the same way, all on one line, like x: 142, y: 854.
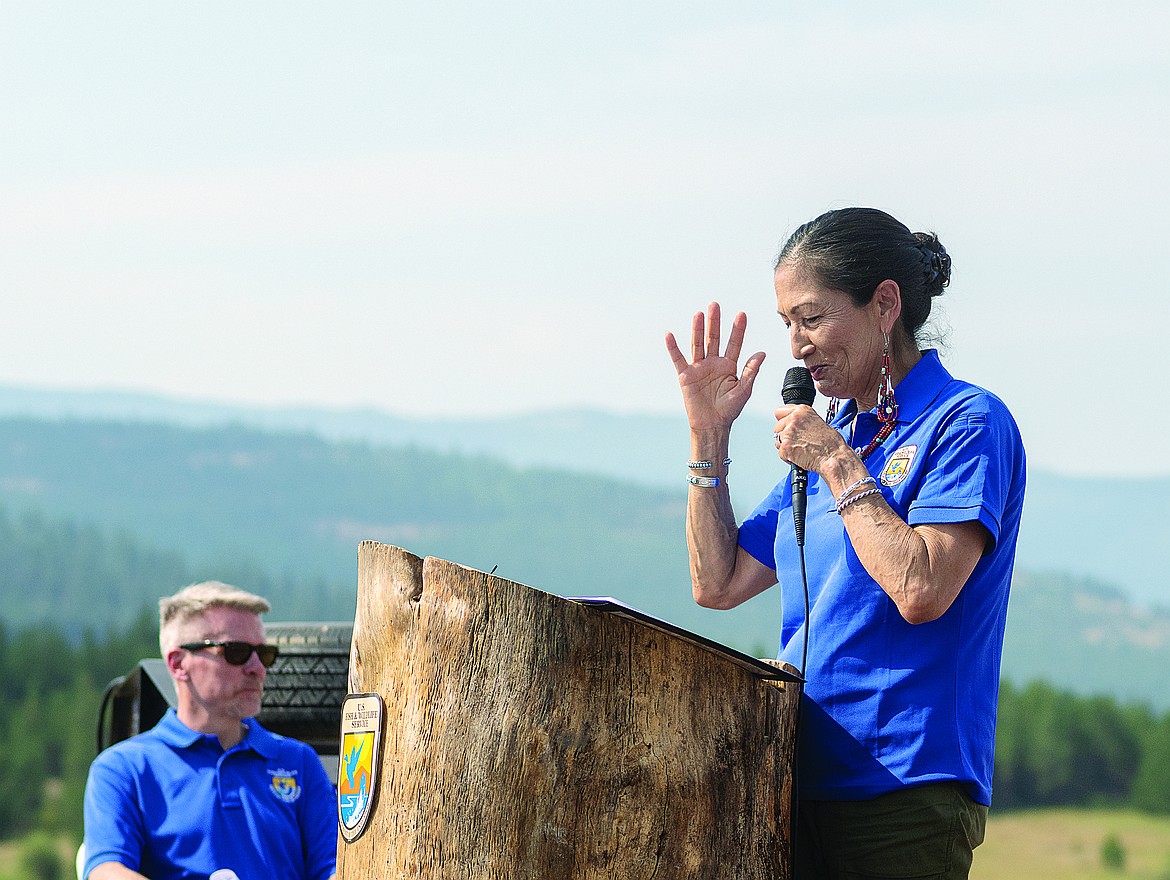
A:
x: 798, y: 388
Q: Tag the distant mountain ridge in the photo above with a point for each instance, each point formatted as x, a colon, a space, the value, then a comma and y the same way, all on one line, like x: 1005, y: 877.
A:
x: 1100, y: 527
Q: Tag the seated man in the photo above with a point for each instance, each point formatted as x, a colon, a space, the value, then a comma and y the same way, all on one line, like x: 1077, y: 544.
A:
x: 208, y: 789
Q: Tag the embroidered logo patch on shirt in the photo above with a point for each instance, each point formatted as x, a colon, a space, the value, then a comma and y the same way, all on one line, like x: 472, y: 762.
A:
x: 898, y: 465
x: 284, y: 785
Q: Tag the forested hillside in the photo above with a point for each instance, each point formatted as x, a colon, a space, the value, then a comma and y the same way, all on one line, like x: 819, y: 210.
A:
x: 78, y: 577
x: 296, y: 506
x: 97, y: 519
x: 1086, y: 636
x: 1099, y: 525
x: 50, y: 689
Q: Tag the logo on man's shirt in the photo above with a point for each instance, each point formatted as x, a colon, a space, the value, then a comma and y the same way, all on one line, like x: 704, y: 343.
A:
x: 284, y: 785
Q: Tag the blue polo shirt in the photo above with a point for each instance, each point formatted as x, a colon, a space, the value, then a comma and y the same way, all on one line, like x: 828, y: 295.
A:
x: 889, y: 704
x: 171, y: 803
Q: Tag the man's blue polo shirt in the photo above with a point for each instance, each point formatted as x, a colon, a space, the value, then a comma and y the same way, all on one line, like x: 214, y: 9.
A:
x: 889, y: 704
x: 170, y: 804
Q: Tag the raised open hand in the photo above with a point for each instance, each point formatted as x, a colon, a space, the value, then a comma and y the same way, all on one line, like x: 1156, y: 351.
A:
x: 714, y: 391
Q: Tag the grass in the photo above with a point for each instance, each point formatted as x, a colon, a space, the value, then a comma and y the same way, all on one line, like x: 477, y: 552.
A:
x: 1067, y: 845
x: 1025, y: 845
x: 10, y: 859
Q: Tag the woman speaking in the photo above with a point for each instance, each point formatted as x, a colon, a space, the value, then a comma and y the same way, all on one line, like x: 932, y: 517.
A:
x: 914, y: 494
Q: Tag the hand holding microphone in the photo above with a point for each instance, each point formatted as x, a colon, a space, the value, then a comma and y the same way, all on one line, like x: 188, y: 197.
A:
x: 798, y: 388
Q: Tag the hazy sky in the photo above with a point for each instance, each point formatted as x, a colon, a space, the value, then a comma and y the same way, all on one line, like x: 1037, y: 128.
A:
x: 469, y: 208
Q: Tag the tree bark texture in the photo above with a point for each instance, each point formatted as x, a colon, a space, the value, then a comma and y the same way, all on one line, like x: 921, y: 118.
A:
x: 528, y: 736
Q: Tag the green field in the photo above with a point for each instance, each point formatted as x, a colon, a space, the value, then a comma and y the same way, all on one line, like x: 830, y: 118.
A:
x: 1067, y: 844
x: 1025, y: 845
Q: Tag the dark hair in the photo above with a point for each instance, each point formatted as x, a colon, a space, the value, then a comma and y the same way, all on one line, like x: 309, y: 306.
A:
x: 855, y: 249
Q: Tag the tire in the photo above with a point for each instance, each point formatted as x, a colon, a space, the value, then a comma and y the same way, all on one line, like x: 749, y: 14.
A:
x: 306, y: 686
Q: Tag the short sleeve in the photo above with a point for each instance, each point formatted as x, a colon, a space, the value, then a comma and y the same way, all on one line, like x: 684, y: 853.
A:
x: 318, y: 820
x: 112, y: 833
x: 970, y: 470
x: 757, y: 533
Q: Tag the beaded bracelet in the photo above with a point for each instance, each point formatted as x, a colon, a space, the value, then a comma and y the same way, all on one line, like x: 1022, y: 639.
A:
x: 841, y: 505
x: 855, y: 487
x: 700, y: 465
x: 704, y: 482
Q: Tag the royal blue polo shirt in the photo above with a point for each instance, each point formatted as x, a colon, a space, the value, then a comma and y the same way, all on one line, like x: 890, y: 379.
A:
x: 889, y: 704
x: 171, y: 803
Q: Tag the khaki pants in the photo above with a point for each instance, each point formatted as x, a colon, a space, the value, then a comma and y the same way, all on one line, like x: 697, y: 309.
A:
x: 921, y: 833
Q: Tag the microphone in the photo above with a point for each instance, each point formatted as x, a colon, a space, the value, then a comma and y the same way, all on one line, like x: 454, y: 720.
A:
x: 798, y: 388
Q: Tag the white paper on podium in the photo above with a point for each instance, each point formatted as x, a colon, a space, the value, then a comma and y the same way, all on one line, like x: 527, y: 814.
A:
x: 760, y: 668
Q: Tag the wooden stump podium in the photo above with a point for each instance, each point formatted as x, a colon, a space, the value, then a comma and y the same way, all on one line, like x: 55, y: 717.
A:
x: 530, y: 736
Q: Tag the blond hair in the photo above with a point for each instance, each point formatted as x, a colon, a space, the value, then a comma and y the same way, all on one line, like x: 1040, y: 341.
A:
x: 180, y: 614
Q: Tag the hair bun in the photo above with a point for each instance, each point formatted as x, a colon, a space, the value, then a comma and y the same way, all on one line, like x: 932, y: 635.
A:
x: 936, y: 262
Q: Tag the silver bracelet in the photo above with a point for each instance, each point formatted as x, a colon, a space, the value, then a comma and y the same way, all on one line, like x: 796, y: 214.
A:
x: 701, y: 465
x: 704, y: 482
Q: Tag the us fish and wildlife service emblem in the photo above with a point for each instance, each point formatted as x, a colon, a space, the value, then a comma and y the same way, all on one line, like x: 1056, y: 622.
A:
x: 898, y: 465
x: 284, y: 785
x: 361, y: 743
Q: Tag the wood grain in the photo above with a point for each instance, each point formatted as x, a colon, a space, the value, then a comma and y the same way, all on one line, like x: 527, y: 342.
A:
x: 528, y: 736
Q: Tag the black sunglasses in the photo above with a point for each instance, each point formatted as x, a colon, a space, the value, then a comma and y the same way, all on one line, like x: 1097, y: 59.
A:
x: 237, y: 653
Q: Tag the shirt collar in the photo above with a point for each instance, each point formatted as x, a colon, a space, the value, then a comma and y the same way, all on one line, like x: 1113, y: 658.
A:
x: 177, y: 734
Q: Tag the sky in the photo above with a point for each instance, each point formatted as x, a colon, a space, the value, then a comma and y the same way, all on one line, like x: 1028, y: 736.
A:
x: 467, y: 209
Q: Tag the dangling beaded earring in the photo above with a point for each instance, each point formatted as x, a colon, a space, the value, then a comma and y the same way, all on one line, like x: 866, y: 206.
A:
x: 831, y: 412
x: 887, y: 410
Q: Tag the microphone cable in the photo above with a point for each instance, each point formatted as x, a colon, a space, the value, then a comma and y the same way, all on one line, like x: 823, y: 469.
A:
x: 807, y: 621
